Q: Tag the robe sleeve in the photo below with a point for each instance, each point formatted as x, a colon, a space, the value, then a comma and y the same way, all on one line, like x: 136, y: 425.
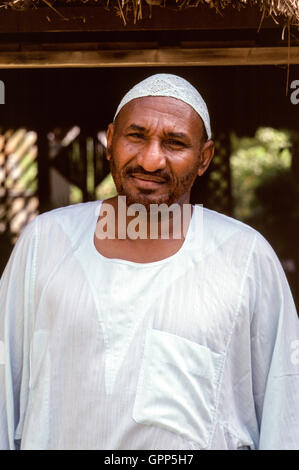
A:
x: 274, y: 352
x: 16, y: 308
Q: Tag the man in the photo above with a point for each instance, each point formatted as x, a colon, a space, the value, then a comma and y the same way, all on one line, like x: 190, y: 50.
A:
x: 119, y: 342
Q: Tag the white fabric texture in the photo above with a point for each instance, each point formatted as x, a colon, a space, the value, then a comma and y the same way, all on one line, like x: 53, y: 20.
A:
x: 195, y: 351
x: 164, y: 84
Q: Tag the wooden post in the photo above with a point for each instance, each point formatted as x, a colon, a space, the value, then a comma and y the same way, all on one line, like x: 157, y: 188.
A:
x: 43, y: 169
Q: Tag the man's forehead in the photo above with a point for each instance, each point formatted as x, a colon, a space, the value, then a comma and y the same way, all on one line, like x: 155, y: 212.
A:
x: 151, y: 108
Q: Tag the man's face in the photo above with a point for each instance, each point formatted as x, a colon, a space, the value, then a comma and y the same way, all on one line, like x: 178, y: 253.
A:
x: 156, y: 150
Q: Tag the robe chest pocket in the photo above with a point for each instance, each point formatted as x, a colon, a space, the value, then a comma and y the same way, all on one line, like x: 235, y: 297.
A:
x: 177, y: 386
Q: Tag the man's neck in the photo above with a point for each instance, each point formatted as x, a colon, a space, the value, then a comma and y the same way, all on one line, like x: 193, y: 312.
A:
x: 156, y: 222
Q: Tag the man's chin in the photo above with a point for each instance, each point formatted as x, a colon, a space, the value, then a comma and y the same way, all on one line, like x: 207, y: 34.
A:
x: 147, y: 200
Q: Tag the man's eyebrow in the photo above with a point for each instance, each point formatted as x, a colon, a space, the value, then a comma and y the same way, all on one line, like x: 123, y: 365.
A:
x: 136, y: 127
x: 177, y: 135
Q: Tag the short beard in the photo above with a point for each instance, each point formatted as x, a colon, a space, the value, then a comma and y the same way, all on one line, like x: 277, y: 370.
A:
x: 182, y: 186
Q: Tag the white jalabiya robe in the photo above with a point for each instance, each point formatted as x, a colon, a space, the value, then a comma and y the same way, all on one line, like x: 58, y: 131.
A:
x: 196, y: 351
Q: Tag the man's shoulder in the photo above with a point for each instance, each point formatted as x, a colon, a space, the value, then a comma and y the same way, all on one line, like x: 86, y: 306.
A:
x: 82, y: 209
x: 72, y: 219
x: 218, y: 224
x: 219, y: 228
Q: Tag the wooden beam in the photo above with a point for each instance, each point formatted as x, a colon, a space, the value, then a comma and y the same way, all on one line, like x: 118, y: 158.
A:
x: 149, y: 57
x: 99, y: 19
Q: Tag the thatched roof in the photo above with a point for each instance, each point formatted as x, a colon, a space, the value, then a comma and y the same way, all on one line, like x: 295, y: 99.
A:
x: 137, y: 9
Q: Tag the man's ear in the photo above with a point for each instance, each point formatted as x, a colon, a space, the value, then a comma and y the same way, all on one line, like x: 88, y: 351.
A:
x: 206, y: 155
x: 109, y: 136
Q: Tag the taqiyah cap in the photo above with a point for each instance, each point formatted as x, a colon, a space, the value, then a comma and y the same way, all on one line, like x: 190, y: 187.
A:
x: 164, y: 84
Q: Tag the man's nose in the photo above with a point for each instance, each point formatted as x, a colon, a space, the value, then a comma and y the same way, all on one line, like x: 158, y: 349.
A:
x: 151, y: 157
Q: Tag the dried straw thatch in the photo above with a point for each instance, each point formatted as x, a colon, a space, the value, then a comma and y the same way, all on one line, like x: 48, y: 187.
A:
x: 288, y: 10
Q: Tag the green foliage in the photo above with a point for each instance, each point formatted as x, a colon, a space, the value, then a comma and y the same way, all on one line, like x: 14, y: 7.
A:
x: 265, y: 189
x: 106, y: 188
x: 254, y: 161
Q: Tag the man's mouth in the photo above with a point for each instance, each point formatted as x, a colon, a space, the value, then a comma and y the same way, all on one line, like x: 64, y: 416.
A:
x: 154, y: 178
x: 147, y: 181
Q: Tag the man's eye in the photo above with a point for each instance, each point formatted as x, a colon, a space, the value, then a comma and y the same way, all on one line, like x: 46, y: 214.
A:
x: 136, y: 135
x: 175, y: 143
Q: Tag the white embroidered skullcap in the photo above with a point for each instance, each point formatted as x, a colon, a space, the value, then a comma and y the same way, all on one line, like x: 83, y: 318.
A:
x: 164, y: 84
